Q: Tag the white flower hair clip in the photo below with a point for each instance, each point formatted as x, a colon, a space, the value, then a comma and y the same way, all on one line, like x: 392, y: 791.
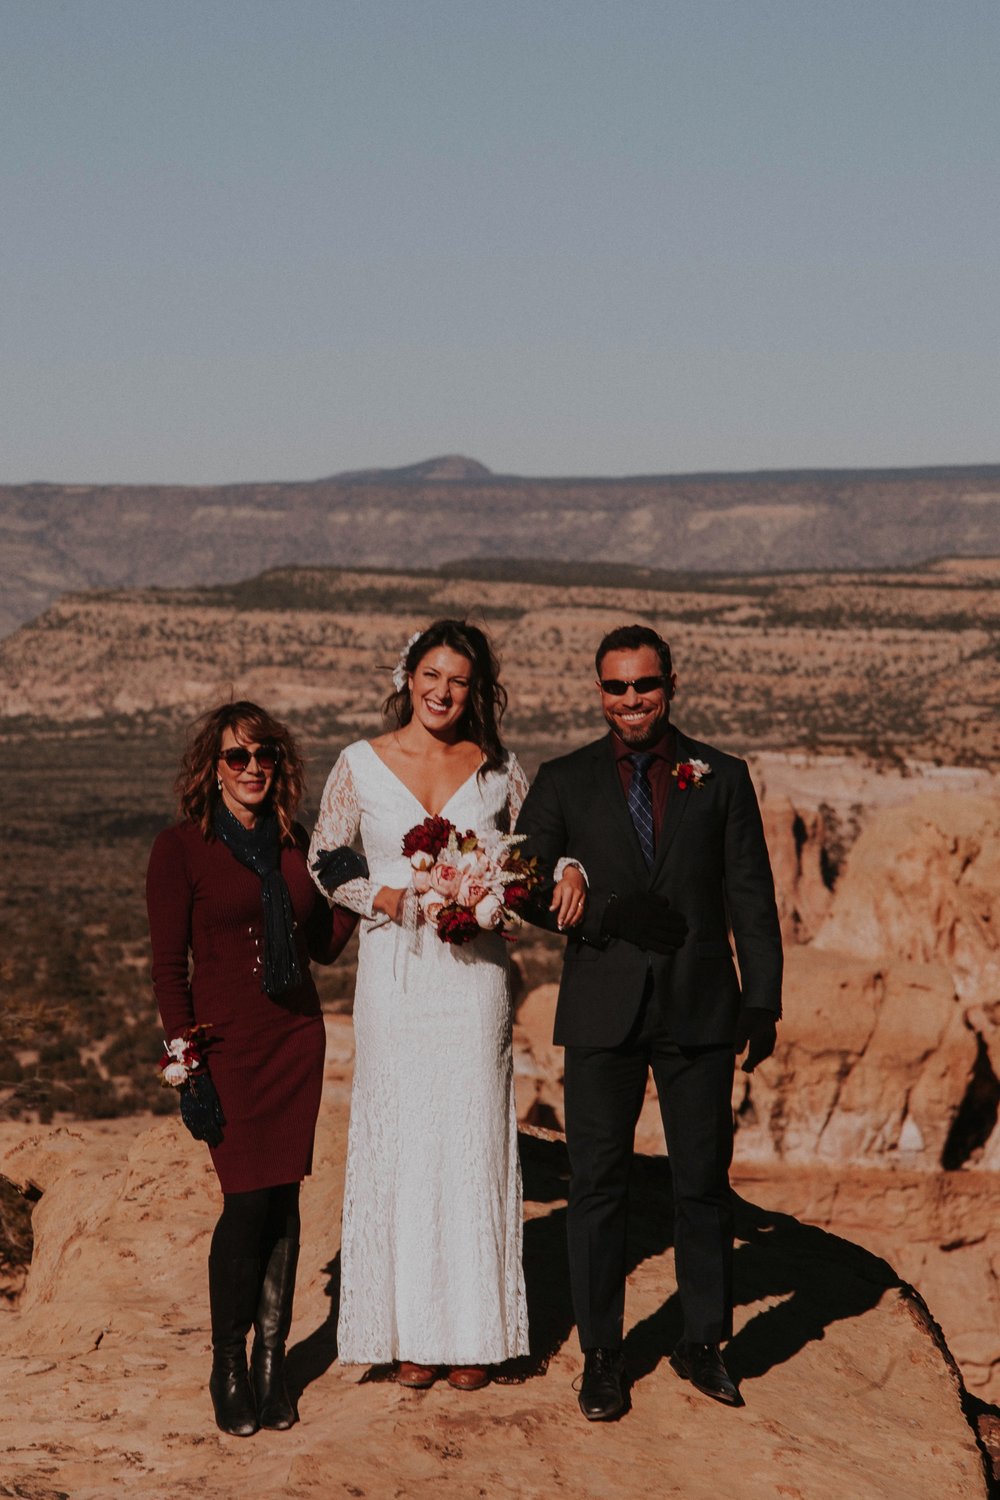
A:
x: 399, y: 673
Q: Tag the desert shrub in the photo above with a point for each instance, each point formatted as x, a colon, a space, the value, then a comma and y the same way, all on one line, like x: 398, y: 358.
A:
x: 16, y: 1240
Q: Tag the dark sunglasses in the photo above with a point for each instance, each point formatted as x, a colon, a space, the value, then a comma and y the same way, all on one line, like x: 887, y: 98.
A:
x: 617, y: 687
x: 238, y: 757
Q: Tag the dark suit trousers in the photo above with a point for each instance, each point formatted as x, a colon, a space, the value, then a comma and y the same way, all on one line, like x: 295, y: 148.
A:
x: 604, y: 1091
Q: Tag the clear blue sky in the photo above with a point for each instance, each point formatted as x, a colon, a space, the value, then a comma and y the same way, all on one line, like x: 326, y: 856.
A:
x: 252, y: 239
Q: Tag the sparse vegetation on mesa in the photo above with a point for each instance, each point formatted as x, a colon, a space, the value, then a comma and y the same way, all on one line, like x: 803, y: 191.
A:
x: 889, y: 666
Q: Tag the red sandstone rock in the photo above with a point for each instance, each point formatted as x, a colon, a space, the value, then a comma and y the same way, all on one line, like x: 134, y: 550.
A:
x: 105, y: 1363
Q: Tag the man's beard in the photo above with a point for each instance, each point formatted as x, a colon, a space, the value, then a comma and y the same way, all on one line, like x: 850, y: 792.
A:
x: 639, y: 738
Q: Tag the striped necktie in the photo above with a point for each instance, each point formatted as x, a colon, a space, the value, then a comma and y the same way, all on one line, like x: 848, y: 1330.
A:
x: 640, y: 805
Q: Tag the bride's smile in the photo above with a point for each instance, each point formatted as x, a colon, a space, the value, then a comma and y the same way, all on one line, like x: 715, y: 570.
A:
x: 439, y: 688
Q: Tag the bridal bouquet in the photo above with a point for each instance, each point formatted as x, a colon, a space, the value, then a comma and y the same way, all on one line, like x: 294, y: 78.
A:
x: 465, y: 884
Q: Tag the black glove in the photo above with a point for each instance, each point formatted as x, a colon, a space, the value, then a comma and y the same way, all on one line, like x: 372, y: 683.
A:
x: 334, y: 866
x: 200, y: 1108
x: 648, y: 921
x: 756, y: 1034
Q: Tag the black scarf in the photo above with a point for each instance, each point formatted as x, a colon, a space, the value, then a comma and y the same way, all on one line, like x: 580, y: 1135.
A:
x: 259, y: 848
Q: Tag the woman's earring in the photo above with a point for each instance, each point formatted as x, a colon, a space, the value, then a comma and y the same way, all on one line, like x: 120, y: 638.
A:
x: 218, y: 782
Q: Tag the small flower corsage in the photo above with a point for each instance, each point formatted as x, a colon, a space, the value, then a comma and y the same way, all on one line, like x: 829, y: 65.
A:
x: 183, y: 1057
x: 691, y: 773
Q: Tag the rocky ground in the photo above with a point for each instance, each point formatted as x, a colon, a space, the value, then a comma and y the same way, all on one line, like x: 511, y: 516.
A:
x: 849, y: 1388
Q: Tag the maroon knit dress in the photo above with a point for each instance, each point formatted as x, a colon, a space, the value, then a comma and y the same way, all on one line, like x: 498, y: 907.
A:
x: 266, y: 1060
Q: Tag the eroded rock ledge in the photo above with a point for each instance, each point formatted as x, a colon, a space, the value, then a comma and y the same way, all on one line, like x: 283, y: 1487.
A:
x: 849, y: 1391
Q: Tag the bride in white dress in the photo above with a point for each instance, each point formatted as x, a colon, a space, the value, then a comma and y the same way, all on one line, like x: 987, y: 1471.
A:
x: 431, y: 1270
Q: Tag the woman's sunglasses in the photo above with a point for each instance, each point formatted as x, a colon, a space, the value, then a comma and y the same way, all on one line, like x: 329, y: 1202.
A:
x: 238, y: 757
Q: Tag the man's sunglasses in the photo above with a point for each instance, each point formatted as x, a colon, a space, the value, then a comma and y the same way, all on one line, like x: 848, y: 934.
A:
x: 238, y: 757
x: 617, y: 687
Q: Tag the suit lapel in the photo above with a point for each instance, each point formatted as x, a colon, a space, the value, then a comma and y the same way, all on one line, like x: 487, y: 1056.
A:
x: 677, y: 803
x: 622, y: 832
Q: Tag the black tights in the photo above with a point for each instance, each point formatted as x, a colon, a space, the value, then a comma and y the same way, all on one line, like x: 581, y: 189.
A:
x: 255, y: 1221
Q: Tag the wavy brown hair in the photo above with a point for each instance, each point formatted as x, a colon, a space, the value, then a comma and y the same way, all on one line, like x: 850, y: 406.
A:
x: 197, y: 784
x: 487, y: 697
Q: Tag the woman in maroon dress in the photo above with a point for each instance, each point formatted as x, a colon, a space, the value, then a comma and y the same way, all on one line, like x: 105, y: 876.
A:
x: 230, y: 887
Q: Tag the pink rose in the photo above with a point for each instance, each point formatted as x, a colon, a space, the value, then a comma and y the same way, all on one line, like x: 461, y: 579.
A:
x: 472, y: 890
x: 446, y: 879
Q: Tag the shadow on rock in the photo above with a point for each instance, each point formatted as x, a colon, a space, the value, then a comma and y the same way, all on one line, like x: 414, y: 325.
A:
x: 312, y: 1356
x: 819, y: 1277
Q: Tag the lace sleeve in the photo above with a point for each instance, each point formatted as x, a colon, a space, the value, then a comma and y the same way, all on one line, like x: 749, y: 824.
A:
x: 564, y: 864
x: 338, y: 823
x: 517, y: 789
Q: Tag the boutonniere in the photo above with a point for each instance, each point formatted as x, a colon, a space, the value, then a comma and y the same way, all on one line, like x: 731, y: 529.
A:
x: 691, y: 773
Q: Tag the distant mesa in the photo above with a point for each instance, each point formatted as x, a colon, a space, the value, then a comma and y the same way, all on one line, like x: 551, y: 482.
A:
x: 59, y: 538
x: 449, y: 466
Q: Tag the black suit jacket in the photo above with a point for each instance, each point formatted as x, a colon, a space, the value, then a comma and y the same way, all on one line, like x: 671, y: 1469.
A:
x: 711, y: 864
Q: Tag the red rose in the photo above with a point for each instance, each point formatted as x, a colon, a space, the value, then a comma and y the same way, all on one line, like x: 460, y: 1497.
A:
x: 428, y: 837
x: 516, y: 896
x: 457, y: 925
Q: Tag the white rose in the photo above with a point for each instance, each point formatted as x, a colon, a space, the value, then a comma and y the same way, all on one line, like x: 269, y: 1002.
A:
x: 474, y: 862
x: 430, y: 905
x: 421, y: 864
x: 488, y: 911
x: 174, y: 1074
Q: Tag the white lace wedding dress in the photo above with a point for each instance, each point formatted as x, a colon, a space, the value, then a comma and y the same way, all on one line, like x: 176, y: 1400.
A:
x: 431, y: 1244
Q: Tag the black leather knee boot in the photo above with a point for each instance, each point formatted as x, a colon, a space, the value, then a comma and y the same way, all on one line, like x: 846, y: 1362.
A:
x: 275, y: 1408
x: 233, y: 1281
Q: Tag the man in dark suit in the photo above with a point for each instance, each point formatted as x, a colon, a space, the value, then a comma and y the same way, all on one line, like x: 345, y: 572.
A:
x: 669, y: 833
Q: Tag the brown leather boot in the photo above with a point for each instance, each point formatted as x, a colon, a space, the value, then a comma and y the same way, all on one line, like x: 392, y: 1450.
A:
x: 417, y: 1377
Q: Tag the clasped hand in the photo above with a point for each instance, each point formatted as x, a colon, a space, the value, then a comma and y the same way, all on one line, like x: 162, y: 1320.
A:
x: 646, y: 920
x: 569, y: 898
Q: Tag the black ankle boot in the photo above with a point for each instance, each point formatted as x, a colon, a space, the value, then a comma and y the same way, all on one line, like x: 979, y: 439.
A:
x: 232, y: 1287
x: 275, y: 1408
